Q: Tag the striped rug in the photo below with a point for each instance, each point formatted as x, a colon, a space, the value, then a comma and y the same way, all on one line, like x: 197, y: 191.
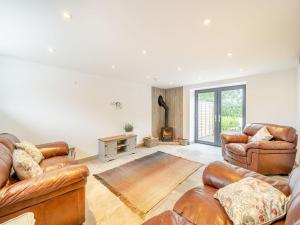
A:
x: 144, y: 182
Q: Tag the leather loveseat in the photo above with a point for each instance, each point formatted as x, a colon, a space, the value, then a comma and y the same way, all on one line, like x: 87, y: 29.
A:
x: 266, y: 157
x: 57, y: 197
x: 199, y: 207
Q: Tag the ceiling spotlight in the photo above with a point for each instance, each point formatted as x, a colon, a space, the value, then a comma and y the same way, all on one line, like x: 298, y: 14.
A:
x: 179, y: 69
x: 67, y: 15
x: 144, y: 52
x: 113, y: 67
x: 206, y: 22
x: 229, y: 54
x: 50, y: 50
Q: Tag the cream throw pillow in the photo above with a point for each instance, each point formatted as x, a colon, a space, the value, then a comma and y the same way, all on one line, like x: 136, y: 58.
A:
x: 32, y: 150
x: 262, y: 135
x: 24, y: 166
x: 252, y: 201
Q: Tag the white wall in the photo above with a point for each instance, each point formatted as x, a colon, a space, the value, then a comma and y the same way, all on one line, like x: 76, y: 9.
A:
x: 43, y: 104
x: 270, y: 98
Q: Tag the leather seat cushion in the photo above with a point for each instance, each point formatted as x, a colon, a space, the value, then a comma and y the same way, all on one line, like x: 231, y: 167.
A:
x: 235, y: 157
x: 56, y: 163
x: 201, y: 208
x: 168, y: 218
x: 237, y: 148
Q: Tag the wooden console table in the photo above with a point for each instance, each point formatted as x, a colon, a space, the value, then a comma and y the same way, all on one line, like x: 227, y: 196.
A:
x: 113, y: 147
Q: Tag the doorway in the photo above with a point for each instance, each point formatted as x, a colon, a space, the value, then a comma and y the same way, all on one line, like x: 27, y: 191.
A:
x: 219, y: 110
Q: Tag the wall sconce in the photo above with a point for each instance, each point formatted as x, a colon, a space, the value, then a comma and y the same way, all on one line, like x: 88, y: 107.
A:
x: 118, y: 105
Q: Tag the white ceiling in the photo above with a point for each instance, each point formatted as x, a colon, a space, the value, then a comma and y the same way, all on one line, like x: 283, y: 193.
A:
x: 262, y: 36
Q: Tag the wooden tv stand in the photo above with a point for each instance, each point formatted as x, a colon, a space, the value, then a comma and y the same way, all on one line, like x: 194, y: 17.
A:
x: 114, y: 147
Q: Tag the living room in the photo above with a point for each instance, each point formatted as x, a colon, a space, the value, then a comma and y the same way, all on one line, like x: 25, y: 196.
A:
x: 149, y: 109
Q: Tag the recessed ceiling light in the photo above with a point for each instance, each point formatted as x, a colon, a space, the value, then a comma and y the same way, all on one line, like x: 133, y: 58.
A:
x: 241, y: 69
x: 179, y: 69
x: 113, y: 67
x: 229, y: 54
x: 67, y: 15
x: 144, y: 52
x: 206, y: 22
x: 50, y: 50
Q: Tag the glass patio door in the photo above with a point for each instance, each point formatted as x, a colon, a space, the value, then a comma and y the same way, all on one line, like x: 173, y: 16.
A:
x: 219, y: 110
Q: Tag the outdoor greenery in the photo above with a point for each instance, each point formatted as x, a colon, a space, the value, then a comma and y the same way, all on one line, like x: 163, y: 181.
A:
x: 231, y: 108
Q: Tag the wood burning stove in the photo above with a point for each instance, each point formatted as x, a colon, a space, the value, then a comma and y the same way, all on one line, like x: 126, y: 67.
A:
x: 166, y: 133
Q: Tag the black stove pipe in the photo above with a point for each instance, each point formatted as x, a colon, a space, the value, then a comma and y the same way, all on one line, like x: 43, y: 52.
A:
x: 162, y: 103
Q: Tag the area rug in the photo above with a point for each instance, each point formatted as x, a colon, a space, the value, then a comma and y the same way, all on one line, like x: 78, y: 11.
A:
x: 144, y: 182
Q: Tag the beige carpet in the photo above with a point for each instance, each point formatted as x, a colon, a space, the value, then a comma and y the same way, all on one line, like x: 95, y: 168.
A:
x: 144, y: 182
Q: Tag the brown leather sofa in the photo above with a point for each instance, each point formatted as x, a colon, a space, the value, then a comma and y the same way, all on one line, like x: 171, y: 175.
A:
x: 57, y: 197
x: 266, y: 157
x: 198, y: 206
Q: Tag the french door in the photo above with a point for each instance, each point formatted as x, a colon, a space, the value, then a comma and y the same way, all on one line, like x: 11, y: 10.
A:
x: 219, y: 110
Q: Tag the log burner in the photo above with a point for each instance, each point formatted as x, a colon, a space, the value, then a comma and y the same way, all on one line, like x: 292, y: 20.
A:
x: 166, y: 133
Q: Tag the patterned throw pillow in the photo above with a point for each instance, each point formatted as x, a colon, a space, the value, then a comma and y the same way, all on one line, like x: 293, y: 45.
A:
x: 32, y: 150
x: 252, y: 201
x: 262, y: 135
x: 24, y: 166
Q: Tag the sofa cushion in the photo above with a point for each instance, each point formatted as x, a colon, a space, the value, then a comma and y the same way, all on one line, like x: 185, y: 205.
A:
x: 252, y: 129
x: 238, y: 149
x: 280, y: 133
x: 32, y: 150
x: 7, y: 143
x: 56, y: 163
x: 252, y: 201
x: 200, y: 207
x: 220, y: 174
x: 229, y: 155
x: 5, y: 164
x: 262, y: 135
x: 24, y: 166
x: 293, y: 214
x: 12, y: 138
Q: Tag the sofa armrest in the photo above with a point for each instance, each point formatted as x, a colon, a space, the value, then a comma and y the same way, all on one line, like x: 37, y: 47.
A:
x: 271, y: 145
x: 219, y: 174
x: 234, y: 138
x: 42, y: 185
x: 54, y: 149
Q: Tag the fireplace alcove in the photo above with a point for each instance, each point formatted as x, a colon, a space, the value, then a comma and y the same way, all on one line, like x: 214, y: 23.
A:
x: 173, y: 98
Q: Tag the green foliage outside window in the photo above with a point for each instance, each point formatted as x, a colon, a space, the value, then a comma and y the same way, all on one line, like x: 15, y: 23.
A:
x: 231, y: 108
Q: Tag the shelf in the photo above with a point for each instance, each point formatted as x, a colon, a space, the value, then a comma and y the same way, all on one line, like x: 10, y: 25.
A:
x: 121, y: 150
x: 122, y: 145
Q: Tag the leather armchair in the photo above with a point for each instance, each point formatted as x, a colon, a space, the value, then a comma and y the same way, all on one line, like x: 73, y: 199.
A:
x: 199, y: 207
x: 57, y: 197
x: 266, y: 157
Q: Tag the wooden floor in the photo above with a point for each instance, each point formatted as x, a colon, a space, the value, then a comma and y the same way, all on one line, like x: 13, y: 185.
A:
x: 103, y: 207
